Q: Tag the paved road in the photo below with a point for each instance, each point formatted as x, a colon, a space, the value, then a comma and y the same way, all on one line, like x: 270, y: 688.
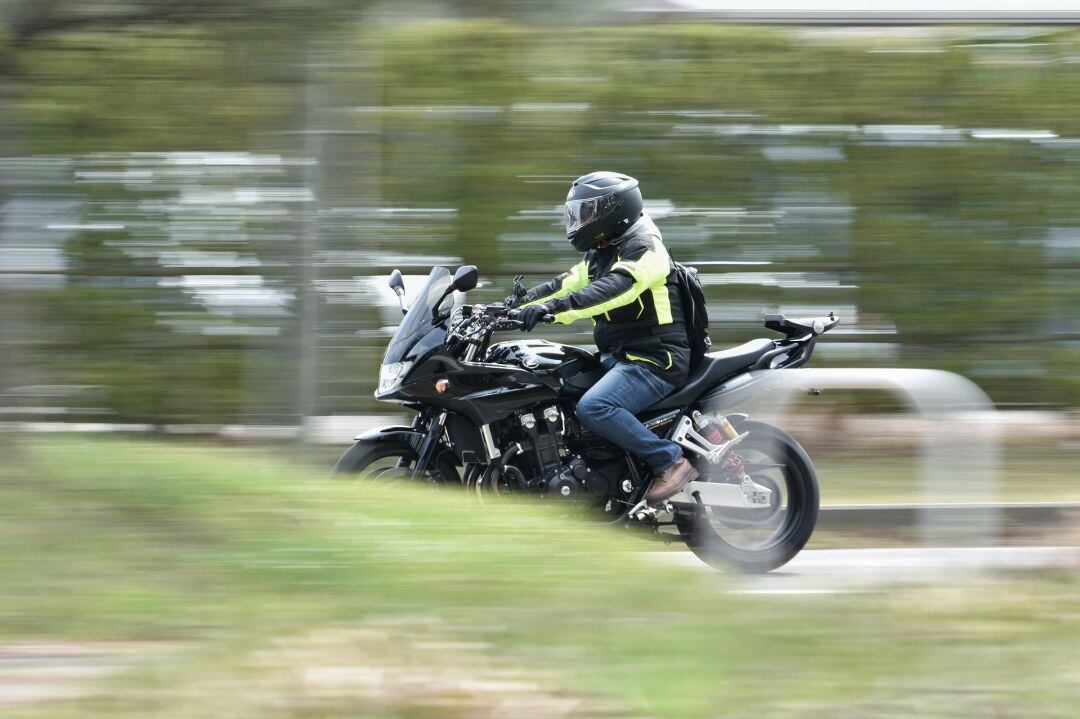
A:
x: 835, y: 571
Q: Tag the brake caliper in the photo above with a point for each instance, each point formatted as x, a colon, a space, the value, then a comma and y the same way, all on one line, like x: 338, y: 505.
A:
x: 733, y: 465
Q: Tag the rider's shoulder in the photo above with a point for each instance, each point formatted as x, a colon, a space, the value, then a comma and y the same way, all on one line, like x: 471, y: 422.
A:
x: 641, y: 241
x: 644, y: 230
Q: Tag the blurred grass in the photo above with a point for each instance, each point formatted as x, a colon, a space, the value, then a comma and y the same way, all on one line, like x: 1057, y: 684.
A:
x: 1027, y: 475
x: 260, y: 570
x: 1036, y: 472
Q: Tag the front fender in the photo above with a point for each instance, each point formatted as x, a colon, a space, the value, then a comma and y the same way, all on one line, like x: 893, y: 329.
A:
x: 392, y: 433
x: 397, y: 434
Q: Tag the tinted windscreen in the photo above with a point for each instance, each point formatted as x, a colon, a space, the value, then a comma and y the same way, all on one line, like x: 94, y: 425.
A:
x: 418, y: 323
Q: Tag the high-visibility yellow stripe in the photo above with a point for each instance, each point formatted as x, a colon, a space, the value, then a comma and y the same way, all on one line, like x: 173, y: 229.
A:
x: 649, y: 272
x: 662, y: 302
x: 625, y: 298
x: 638, y: 358
x: 577, y: 278
x: 652, y: 270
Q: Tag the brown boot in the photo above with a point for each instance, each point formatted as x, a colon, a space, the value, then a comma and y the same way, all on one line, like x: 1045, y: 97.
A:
x: 670, y: 481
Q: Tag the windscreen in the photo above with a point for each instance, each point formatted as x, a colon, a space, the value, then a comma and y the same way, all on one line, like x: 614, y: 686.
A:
x: 418, y: 324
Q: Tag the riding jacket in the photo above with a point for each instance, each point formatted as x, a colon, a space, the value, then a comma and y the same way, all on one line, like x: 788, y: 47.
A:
x: 628, y: 287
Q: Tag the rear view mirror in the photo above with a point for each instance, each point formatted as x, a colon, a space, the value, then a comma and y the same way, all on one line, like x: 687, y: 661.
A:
x: 465, y: 278
x: 398, y: 286
x: 396, y: 283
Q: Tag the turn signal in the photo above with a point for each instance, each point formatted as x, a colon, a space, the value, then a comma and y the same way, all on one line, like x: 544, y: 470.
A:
x: 442, y: 385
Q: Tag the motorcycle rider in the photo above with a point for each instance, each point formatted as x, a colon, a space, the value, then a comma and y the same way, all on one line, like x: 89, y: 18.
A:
x: 626, y: 283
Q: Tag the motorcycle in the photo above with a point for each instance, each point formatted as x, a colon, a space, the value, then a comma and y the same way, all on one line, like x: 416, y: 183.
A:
x: 497, y: 419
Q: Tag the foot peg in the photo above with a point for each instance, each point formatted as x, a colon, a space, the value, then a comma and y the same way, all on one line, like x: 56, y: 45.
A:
x: 643, y: 511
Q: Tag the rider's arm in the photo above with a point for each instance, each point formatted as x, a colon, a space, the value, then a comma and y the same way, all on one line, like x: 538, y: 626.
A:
x: 561, y: 286
x: 644, y: 265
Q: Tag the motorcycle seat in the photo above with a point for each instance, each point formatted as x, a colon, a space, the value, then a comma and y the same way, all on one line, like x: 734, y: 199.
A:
x: 713, y: 368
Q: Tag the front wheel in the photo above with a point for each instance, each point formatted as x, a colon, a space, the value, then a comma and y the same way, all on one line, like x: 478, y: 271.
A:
x: 391, y: 461
x: 761, y: 539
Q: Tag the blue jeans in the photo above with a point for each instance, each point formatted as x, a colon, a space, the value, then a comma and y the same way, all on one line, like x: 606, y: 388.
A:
x: 608, y: 409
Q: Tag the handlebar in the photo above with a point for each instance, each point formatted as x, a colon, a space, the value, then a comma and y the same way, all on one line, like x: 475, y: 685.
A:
x: 546, y: 319
x: 491, y: 318
x: 477, y: 323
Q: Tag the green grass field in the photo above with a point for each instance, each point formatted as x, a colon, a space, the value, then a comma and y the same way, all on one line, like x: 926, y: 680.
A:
x: 1025, y: 475
x: 280, y: 593
x: 1038, y: 473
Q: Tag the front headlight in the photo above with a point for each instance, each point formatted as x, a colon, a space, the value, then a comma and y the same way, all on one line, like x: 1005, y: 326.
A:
x: 390, y: 375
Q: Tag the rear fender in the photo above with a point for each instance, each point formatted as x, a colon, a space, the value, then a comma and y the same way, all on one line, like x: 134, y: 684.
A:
x: 732, y: 392
x: 737, y: 418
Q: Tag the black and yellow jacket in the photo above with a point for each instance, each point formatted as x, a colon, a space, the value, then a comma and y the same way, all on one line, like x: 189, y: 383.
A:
x: 629, y: 290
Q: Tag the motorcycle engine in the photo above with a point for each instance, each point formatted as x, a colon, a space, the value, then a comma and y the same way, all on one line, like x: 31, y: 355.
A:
x: 567, y: 480
x: 547, y: 467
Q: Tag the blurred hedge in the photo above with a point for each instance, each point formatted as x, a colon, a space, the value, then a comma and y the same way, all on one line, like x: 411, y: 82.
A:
x: 950, y: 242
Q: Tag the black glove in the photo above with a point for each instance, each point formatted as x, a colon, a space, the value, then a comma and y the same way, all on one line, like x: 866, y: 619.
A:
x: 529, y: 316
x: 512, y: 301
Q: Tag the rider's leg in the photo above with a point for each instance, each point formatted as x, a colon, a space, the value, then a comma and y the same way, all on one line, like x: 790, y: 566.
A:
x: 608, y: 409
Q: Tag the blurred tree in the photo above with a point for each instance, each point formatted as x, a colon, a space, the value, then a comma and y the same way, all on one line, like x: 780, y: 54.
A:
x: 29, y: 20
x: 456, y: 139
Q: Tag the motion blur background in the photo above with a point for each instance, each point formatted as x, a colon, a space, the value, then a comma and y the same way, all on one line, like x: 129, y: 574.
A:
x: 200, y: 201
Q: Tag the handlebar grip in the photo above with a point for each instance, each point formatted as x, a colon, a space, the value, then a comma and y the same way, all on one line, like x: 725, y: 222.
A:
x: 515, y: 314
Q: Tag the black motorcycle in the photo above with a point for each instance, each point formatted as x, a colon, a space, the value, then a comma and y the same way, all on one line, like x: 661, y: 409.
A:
x: 498, y: 419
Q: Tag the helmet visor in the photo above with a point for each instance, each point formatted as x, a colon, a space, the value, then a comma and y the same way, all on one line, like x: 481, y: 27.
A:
x: 581, y: 212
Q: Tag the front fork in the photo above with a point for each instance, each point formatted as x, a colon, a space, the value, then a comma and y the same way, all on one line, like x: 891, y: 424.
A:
x: 429, y: 445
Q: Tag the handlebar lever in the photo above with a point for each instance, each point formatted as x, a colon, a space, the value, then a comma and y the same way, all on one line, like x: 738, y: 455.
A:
x: 519, y: 288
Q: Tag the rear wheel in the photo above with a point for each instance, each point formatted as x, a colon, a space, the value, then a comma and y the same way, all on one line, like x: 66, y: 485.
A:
x: 760, y: 539
x: 392, y: 461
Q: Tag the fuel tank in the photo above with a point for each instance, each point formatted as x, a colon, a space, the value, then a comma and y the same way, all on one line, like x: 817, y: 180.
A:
x: 577, y: 368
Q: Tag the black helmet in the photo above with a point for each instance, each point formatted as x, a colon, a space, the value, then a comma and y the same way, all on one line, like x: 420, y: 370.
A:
x: 601, y: 206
